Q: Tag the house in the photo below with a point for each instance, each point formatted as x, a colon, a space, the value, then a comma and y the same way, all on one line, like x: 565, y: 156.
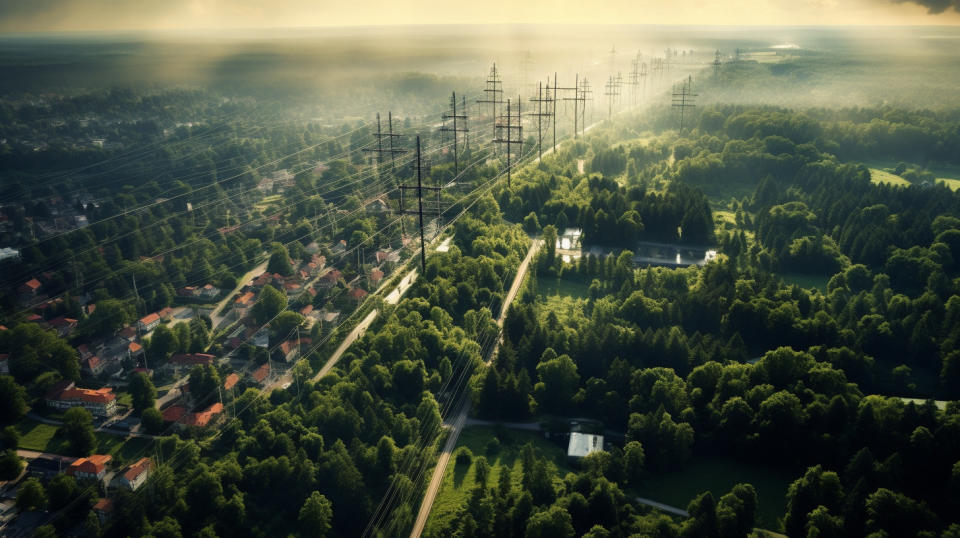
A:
x: 231, y: 381
x: 166, y: 313
x: 377, y: 205
x: 103, y: 509
x: 93, y: 467
x: 203, y: 418
x: 330, y: 316
x: 173, y: 413
x: 148, y: 322
x: 48, y: 466
x: 188, y: 291
x: 209, y: 291
x: 582, y: 444
x: 100, y: 402
x: 134, y: 350
x: 63, y: 325
x: 329, y: 279
x: 135, y: 475
x: 241, y: 306
x: 192, y: 359
x: 339, y: 247
x: 358, y: 294
x: 30, y: 288
x: 129, y: 333
x: 391, y: 256
x: 376, y: 275
x: 261, y: 374
x: 84, y: 351
x: 94, y: 365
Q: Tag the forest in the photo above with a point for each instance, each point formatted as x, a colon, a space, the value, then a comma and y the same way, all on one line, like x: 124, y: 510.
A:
x: 821, y: 342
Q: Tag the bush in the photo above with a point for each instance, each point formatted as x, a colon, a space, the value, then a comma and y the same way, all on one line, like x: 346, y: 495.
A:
x: 463, y: 456
x: 493, y: 446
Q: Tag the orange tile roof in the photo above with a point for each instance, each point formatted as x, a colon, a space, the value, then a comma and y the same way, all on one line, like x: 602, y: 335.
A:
x: 173, y: 413
x: 104, y: 505
x: 139, y: 467
x: 261, y: 373
x: 231, y: 381
x: 204, y: 417
x: 244, y: 299
x: 358, y: 293
x: 100, y: 396
x: 134, y: 347
x: 94, y: 464
x: 33, y: 284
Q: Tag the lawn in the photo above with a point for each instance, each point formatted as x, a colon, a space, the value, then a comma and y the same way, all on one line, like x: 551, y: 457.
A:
x: 806, y: 281
x: 458, y: 480
x: 547, y: 287
x: 953, y: 184
x: 880, y: 176
x: 42, y: 437
x: 719, y: 475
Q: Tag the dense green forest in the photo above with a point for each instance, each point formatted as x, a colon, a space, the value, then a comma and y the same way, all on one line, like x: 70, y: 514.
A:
x: 821, y: 342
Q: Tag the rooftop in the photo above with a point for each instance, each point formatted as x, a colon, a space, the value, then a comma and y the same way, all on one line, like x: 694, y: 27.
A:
x: 582, y: 444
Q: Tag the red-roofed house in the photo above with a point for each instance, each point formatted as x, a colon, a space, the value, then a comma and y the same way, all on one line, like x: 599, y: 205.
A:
x: 134, y: 350
x: 100, y: 402
x: 261, y: 374
x: 173, y: 413
x: 329, y: 279
x: 63, y: 325
x: 30, y: 288
x: 231, y: 381
x: 376, y: 276
x: 148, y: 322
x: 307, y: 310
x: 103, y: 509
x: 94, y: 365
x: 243, y: 303
x: 93, y: 467
x: 209, y: 291
x: 135, y: 475
x: 358, y: 294
x: 203, y: 418
x: 128, y: 333
x: 165, y: 313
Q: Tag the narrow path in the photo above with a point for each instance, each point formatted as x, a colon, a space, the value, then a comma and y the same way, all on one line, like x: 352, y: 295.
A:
x: 460, y: 417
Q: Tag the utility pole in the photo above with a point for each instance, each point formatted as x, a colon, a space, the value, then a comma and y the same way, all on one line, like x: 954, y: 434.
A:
x: 493, y: 94
x: 556, y: 93
x: 585, y: 92
x: 380, y: 135
x: 684, y: 98
x: 419, y: 212
x: 540, y: 114
x: 610, y: 93
x: 456, y: 131
x: 716, y: 64
x: 510, y: 140
x: 579, y: 97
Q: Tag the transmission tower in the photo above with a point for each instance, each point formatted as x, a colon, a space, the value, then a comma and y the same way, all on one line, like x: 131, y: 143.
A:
x: 580, y: 89
x: 493, y: 94
x: 455, y: 130
x: 390, y: 136
x: 684, y: 99
x: 556, y: 95
x: 612, y: 92
x: 542, y: 103
x: 510, y: 128
x: 716, y: 64
x: 420, y: 212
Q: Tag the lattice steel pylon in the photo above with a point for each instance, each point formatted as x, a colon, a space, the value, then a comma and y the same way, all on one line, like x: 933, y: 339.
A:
x: 684, y: 98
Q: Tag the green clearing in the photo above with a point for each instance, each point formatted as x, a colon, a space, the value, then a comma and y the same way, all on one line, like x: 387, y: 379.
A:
x: 952, y: 184
x: 42, y: 437
x: 458, y: 480
x: 719, y: 475
x: 881, y: 176
x: 266, y: 201
x: 548, y: 287
x: 806, y: 281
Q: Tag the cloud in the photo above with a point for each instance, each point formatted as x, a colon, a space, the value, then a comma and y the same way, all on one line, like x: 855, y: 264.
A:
x: 934, y: 7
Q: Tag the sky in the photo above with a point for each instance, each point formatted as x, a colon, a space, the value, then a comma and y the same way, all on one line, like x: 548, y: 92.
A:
x: 196, y: 15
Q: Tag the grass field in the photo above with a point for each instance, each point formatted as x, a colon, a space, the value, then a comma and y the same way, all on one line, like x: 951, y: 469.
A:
x: 719, y: 475
x: 806, y: 281
x: 879, y: 176
x: 458, y: 480
x: 953, y: 184
x: 42, y: 438
x: 547, y: 287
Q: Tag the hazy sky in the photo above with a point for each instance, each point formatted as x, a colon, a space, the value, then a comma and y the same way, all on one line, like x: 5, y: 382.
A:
x: 87, y: 15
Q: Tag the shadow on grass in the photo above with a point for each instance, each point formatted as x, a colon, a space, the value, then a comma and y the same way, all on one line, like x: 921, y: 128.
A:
x: 460, y: 473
